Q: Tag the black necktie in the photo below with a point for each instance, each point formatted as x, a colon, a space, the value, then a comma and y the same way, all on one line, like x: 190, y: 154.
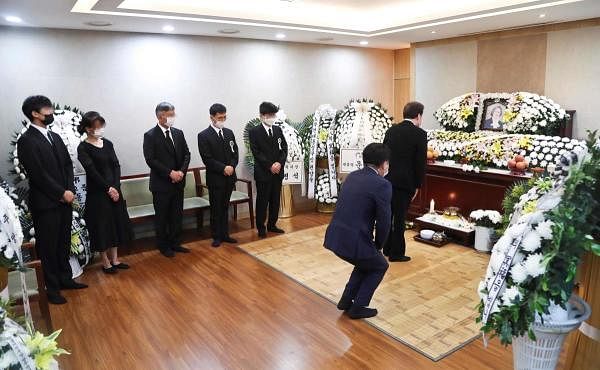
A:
x: 221, y: 135
x: 270, y: 133
x: 169, y: 140
x: 50, y: 138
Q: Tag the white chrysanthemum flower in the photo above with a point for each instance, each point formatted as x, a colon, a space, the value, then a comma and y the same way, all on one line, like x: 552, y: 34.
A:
x: 544, y: 229
x: 531, y: 242
x: 516, y: 230
x: 534, y: 265
x: 480, y: 290
x: 496, y: 260
x: 511, y: 296
x: 503, y: 243
x: 518, y: 273
x: 517, y: 258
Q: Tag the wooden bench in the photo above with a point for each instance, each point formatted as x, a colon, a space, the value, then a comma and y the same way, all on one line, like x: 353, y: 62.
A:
x: 135, y: 189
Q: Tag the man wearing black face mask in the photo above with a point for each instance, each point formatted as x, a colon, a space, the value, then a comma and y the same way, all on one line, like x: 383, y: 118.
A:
x: 51, y: 193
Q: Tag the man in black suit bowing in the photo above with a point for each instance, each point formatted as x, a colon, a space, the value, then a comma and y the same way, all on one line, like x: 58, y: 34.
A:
x: 51, y: 194
x: 408, y: 143
x: 269, y: 149
x: 219, y: 153
x: 167, y: 154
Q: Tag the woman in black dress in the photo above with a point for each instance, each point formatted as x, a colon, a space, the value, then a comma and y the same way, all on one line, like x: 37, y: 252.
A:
x: 105, y: 210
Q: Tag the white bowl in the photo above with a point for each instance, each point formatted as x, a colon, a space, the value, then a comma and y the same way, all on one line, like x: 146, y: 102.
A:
x: 427, y: 234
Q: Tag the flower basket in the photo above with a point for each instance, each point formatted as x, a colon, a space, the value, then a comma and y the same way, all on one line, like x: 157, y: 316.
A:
x: 325, y: 207
x: 543, y: 353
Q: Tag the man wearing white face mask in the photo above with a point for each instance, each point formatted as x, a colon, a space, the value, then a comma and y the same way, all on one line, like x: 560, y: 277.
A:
x: 219, y: 152
x: 269, y: 149
x: 167, y: 154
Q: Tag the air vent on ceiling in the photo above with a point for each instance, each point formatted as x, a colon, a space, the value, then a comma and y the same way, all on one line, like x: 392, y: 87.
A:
x: 508, y: 28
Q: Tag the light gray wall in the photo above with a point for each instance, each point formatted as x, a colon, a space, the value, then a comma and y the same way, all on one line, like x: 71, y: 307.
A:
x: 124, y: 76
x: 573, y: 75
x: 443, y: 72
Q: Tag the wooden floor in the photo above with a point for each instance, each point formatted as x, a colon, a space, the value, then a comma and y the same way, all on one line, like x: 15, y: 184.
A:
x: 223, y: 309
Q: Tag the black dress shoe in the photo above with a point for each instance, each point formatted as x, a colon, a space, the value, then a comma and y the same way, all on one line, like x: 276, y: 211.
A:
x: 216, y: 243
x: 73, y: 285
x: 167, y: 253
x: 110, y: 270
x: 357, y: 312
x: 122, y: 266
x: 275, y: 229
x: 399, y: 259
x: 262, y: 233
x: 344, y: 304
x: 230, y: 240
x: 180, y: 249
x: 56, y: 298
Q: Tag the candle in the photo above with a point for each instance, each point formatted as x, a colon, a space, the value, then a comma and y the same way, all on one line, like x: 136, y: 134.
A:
x: 432, y: 206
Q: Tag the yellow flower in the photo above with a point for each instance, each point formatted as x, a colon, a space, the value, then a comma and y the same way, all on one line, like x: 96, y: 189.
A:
x: 44, y: 349
x: 466, y: 112
x: 508, y: 115
x: 530, y: 207
x: 323, y: 134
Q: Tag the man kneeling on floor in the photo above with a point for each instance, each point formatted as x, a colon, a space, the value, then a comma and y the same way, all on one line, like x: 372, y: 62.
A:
x: 363, y: 205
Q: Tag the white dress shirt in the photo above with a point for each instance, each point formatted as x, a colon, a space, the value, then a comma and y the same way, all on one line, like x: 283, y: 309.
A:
x: 44, y: 131
x: 164, y: 130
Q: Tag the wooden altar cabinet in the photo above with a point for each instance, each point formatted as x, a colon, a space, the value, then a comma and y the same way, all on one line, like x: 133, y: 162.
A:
x: 449, y: 185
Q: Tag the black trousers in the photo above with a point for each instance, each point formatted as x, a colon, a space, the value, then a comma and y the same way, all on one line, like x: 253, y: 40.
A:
x: 395, y: 245
x: 268, y: 195
x: 365, y: 278
x: 219, y: 210
x: 168, y: 216
x: 53, y: 243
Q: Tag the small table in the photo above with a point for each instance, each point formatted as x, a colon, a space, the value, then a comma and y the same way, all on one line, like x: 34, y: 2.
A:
x: 461, y: 235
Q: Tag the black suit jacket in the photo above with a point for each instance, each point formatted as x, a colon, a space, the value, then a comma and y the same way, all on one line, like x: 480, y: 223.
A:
x: 408, y: 144
x: 50, y: 170
x: 267, y: 151
x: 364, y: 206
x: 217, y: 154
x: 161, y: 159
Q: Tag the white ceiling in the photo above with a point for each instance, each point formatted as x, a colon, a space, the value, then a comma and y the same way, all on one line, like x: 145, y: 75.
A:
x: 382, y: 23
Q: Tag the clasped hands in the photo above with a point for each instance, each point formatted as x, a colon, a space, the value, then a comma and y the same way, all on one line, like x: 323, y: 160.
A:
x: 228, y: 170
x: 275, y: 168
x: 113, y: 194
x: 176, y: 176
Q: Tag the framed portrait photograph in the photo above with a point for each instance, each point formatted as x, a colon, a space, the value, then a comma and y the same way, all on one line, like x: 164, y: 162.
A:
x: 492, y: 111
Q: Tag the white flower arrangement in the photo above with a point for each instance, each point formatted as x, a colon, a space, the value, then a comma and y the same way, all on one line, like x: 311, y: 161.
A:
x: 11, y: 233
x: 292, y: 137
x: 323, y: 193
x: 547, y: 230
x: 361, y: 123
x: 486, y: 218
x: 526, y: 113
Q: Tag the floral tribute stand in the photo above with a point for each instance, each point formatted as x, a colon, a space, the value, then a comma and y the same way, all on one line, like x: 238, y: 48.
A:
x: 526, y: 295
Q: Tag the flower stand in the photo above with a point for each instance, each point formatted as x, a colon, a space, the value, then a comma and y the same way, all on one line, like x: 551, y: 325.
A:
x: 543, y: 353
x: 483, y: 238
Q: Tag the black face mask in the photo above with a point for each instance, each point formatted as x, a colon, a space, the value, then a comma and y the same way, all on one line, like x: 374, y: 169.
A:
x: 48, y: 119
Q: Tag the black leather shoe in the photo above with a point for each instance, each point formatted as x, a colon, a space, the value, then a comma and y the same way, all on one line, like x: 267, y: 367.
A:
x: 180, y: 249
x: 344, y: 304
x: 230, y: 240
x: 399, y: 259
x: 73, y: 285
x: 216, y: 243
x: 56, y: 298
x: 356, y: 313
x: 167, y: 253
x: 121, y: 266
x: 275, y: 229
x: 262, y: 233
x: 110, y: 271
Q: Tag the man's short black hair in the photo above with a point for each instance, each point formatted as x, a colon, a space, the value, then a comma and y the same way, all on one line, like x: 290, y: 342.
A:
x: 412, y: 110
x: 35, y: 103
x: 375, y: 154
x: 268, y: 108
x: 217, y: 108
x: 164, y: 107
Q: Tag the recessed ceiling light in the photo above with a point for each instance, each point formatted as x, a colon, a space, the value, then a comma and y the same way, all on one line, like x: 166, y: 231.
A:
x: 280, y: 36
x: 325, y: 39
x: 98, y: 23
x: 229, y: 31
x: 433, y: 31
x: 542, y: 15
x: 13, y: 19
x: 168, y: 28
x: 364, y: 42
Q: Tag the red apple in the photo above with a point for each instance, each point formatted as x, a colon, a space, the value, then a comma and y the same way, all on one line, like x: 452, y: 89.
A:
x: 521, y: 166
x: 512, y: 163
x: 519, y: 158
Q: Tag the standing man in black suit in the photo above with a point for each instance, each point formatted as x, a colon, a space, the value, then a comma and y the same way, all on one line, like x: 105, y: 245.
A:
x: 219, y: 152
x: 269, y: 149
x: 408, y: 143
x: 51, y: 194
x: 167, y: 154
